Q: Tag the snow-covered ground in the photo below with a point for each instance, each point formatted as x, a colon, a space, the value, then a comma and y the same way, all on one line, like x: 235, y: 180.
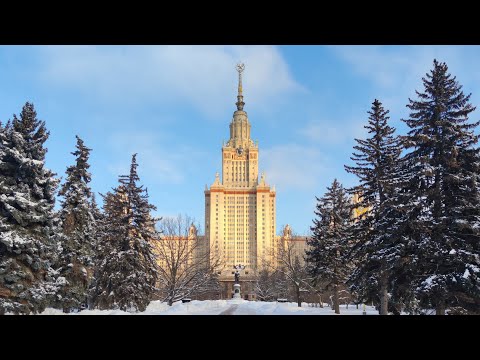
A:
x: 228, y: 307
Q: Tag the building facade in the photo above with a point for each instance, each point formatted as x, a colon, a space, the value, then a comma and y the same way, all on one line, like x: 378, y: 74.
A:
x: 297, y: 243
x: 239, y: 207
x: 240, y: 215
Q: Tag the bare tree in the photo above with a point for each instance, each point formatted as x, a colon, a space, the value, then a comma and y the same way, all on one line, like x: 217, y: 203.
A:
x: 185, y: 266
x: 289, y: 263
x: 266, y: 285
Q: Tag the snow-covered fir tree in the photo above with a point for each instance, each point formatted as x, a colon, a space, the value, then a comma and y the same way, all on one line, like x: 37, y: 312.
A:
x: 77, y: 238
x: 27, y: 220
x: 109, y: 230
x: 444, y: 170
x: 126, y: 269
x: 327, y: 246
x: 97, y: 246
x: 97, y: 214
x: 375, y: 245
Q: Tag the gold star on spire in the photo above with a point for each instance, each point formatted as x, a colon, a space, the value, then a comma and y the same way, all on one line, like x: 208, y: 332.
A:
x: 240, y: 68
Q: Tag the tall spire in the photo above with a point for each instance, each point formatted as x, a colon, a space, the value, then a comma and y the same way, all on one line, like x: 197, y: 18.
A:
x: 240, y: 68
x: 240, y: 127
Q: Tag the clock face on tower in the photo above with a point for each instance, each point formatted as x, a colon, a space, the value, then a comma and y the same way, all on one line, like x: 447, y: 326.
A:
x: 240, y: 151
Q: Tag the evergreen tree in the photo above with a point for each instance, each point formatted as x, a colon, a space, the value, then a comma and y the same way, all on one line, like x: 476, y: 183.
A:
x: 2, y: 135
x: 126, y: 272
x: 327, y: 245
x: 443, y: 183
x: 109, y: 230
x: 375, y: 245
x: 96, y: 248
x: 78, y: 232
x: 27, y: 220
x: 97, y: 214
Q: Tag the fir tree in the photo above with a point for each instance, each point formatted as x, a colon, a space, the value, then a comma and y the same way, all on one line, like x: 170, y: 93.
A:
x: 97, y: 214
x: 2, y: 135
x: 27, y: 226
x: 78, y: 232
x: 375, y: 245
x: 109, y: 230
x: 126, y: 273
x: 326, y: 247
x: 444, y: 170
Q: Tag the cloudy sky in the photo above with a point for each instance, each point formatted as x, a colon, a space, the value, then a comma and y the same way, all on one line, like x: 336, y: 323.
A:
x: 172, y: 105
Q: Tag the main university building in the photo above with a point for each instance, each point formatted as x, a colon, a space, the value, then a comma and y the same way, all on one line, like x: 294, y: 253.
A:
x: 240, y: 210
x: 240, y: 213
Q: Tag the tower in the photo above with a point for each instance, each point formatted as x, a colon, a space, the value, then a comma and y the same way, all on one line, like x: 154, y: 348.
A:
x: 239, y: 208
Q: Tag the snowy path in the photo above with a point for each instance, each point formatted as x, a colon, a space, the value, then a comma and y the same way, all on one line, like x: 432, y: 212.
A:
x: 227, y: 307
x: 245, y: 310
x: 230, y: 310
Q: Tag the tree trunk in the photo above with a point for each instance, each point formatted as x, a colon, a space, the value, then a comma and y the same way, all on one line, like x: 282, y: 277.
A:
x: 336, y: 304
x: 440, y: 308
x: 321, y: 301
x: 170, y: 297
x: 383, y: 293
x: 299, y: 301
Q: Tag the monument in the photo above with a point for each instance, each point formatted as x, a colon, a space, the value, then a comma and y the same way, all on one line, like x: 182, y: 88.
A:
x: 236, y: 285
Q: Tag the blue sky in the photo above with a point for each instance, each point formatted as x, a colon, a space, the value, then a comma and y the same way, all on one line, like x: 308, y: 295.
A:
x: 172, y: 105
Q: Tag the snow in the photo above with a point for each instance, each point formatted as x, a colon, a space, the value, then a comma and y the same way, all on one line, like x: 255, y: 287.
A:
x: 11, y: 238
x: 428, y: 281
x: 452, y: 252
x: 61, y: 281
x: 228, y: 307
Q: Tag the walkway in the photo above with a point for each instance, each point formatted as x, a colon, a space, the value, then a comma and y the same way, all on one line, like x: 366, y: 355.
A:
x: 229, y: 311
x: 239, y: 309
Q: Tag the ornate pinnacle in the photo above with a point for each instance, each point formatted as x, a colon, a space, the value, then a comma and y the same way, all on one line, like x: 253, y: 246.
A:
x: 240, y: 68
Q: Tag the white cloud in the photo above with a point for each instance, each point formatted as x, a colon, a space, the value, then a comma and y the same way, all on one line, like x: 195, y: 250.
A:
x: 333, y: 132
x: 157, y: 164
x: 397, y: 71
x: 201, y: 76
x: 294, y: 166
x: 390, y: 66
